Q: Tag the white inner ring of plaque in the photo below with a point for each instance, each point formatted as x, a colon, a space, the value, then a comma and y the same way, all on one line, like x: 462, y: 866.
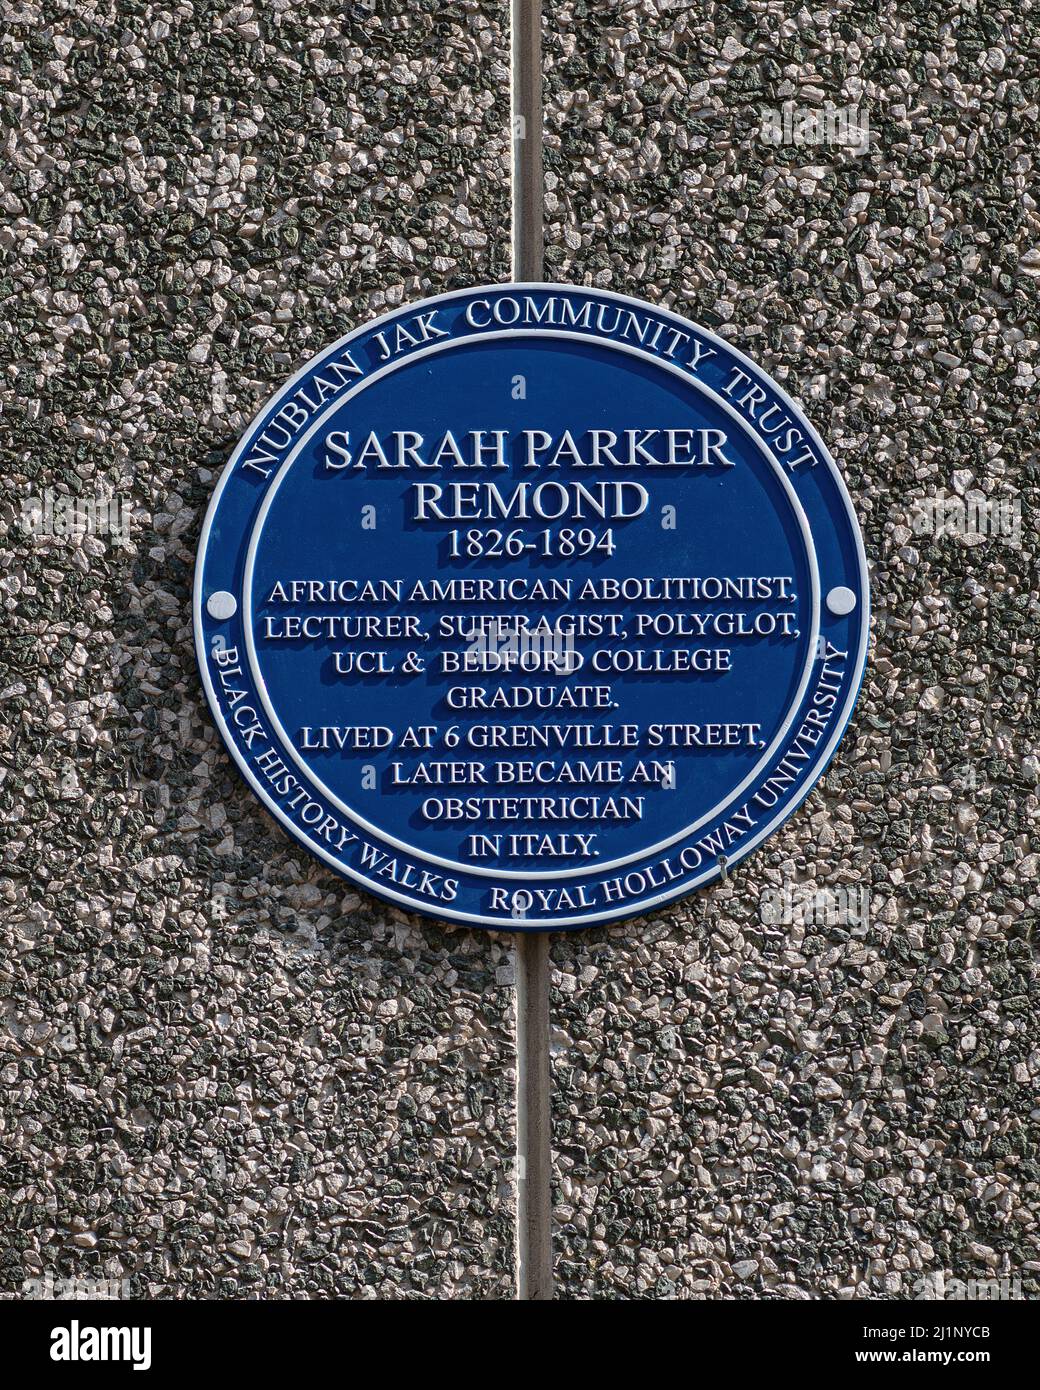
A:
x: 526, y: 875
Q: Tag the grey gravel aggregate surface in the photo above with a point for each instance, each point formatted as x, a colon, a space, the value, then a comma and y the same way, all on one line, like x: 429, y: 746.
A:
x: 746, y: 1108
x: 225, y: 1074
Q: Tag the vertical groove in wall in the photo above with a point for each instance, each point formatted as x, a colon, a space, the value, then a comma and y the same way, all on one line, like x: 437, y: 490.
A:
x: 533, y: 1152
x: 528, y: 237
x: 533, y: 1124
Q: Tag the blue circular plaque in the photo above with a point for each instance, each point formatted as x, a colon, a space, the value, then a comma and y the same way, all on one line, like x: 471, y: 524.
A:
x: 531, y: 606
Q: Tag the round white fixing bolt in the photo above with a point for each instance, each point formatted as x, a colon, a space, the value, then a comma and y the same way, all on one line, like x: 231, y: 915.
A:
x: 223, y: 605
x: 840, y: 601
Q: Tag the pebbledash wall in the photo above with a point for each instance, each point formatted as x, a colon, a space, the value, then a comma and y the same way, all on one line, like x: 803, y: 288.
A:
x: 226, y: 1073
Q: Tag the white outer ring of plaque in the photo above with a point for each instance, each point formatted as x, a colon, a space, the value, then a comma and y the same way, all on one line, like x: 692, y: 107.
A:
x: 445, y: 912
x: 403, y: 846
